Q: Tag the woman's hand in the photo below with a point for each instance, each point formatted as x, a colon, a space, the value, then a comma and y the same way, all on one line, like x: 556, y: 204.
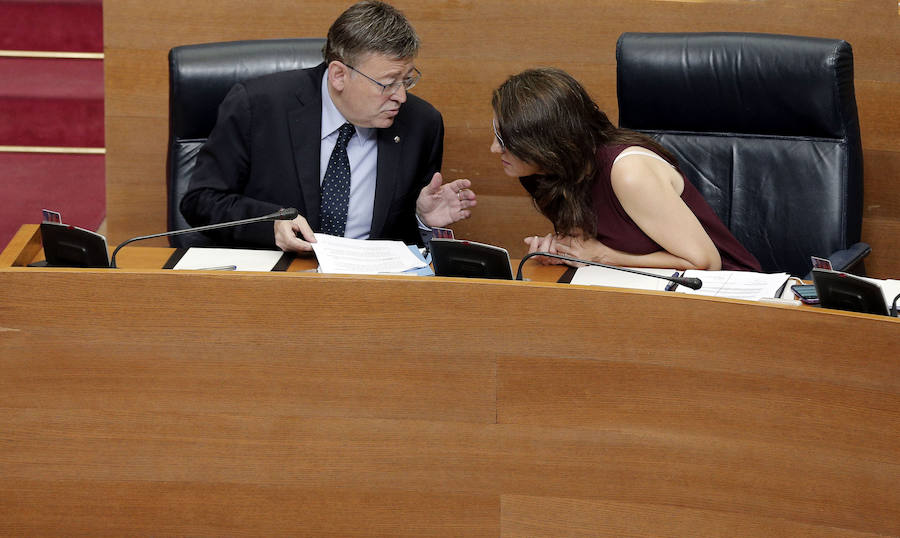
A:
x: 584, y: 248
x: 547, y: 243
x: 587, y: 248
x: 581, y: 248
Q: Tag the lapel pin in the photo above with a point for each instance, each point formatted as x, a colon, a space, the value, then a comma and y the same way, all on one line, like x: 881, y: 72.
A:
x: 396, y: 140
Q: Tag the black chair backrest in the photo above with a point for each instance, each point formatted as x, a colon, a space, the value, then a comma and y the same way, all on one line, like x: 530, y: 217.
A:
x: 764, y: 125
x: 199, y: 78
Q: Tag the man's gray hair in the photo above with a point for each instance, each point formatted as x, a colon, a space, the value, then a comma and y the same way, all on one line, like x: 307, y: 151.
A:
x: 370, y: 26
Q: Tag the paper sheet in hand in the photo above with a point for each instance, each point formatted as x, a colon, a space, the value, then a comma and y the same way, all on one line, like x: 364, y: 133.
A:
x: 244, y: 259
x: 602, y: 276
x: 363, y: 257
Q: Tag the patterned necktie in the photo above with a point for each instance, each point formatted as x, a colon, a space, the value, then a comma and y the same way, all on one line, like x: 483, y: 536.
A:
x: 336, y: 186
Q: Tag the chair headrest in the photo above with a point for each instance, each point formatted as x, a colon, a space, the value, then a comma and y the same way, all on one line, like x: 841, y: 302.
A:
x: 201, y: 75
x: 736, y: 82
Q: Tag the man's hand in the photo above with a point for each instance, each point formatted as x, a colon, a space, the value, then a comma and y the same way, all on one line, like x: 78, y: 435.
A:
x: 286, y: 235
x: 440, y: 205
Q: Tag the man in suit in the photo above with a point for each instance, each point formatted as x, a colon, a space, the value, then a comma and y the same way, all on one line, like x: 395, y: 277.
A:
x: 283, y: 140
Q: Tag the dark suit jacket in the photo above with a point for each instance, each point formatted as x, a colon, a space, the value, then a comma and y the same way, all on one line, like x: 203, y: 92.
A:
x: 263, y: 154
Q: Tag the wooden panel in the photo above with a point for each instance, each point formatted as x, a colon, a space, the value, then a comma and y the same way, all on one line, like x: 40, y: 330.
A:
x: 882, y: 197
x: 355, y: 455
x: 23, y: 247
x: 537, y: 517
x: 167, y: 23
x: 194, y: 393
x: 137, y: 84
x: 322, y: 384
x: 704, y: 398
x: 468, y: 28
x: 881, y: 222
x: 308, y: 372
x: 883, y: 235
x: 456, y: 469
x: 136, y: 182
x: 110, y: 508
x: 879, y: 119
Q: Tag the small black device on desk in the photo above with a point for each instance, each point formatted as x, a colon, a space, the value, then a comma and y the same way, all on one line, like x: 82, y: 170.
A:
x: 71, y: 246
x: 844, y: 291
x: 461, y: 258
x: 806, y: 293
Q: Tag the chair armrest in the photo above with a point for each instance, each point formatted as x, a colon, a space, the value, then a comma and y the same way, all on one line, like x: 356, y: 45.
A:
x: 845, y: 260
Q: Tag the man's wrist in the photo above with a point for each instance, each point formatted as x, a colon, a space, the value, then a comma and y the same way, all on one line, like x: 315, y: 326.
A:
x: 422, y: 226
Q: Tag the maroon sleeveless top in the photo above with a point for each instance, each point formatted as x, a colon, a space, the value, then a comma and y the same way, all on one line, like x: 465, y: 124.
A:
x: 616, y: 230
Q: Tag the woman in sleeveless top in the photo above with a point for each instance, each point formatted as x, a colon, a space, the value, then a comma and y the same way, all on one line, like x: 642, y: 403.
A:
x: 614, y: 196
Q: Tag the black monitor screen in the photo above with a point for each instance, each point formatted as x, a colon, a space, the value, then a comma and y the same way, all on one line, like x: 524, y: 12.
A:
x: 457, y: 258
x: 847, y: 292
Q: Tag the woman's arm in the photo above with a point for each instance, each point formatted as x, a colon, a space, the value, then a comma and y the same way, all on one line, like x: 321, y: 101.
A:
x: 650, y: 192
x: 594, y: 250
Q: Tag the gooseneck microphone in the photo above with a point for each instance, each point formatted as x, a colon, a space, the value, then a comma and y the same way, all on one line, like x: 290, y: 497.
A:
x: 690, y: 282
x: 282, y: 214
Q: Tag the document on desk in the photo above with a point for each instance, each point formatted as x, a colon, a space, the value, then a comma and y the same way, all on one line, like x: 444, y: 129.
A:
x: 889, y: 288
x: 235, y: 259
x: 363, y: 257
x: 732, y: 284
x: 592, y: 275
x: 745, y: 285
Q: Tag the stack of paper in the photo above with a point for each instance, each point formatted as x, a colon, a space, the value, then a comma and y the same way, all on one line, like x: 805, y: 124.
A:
x: 732, y: 284
x: 889, y: 288
x: 601, y: 276
x: 229, y: 258
x: 367, y: 257
x: 745, y: 285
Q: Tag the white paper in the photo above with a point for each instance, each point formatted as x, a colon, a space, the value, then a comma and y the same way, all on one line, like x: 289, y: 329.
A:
x: 889, y: 288
x: 732, y: 284
x: 736, y: 284
x: 601, y: 276
x: 366, y: 257
x: 217, y: 258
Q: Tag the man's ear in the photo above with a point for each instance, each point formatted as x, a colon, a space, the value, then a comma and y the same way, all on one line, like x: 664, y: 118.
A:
x: 337, y: 75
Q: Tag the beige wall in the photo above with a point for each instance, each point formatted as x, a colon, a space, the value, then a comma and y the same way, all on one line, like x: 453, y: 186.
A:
x: 469, y: 48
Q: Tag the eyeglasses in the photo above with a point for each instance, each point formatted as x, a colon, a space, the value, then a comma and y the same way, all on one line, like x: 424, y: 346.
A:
x: 497, y: 134
x: 393, y: 87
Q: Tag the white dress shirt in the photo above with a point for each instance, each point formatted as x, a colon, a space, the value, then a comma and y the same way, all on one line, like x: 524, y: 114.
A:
x: 362, y: 150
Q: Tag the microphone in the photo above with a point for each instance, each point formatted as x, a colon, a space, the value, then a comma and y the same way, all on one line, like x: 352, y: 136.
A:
x: 690, y: 282
x: 282, y: 214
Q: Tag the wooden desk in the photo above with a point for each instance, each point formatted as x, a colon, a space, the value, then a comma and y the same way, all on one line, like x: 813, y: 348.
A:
x: 25, y: 248
x: 209, y: 403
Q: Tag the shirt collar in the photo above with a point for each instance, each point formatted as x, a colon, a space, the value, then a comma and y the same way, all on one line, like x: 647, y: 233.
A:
x: 332, y: 119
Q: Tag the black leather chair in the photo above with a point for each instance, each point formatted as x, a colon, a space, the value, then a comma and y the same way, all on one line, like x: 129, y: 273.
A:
x: 766, y: 127
x: 199, y: 78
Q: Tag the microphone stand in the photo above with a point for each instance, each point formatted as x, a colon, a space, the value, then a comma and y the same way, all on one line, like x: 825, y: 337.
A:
x: 281, y: 214
x: 690, y: 282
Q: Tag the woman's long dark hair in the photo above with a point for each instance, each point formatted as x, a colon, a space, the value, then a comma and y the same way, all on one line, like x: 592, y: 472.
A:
x: 546, y: 118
